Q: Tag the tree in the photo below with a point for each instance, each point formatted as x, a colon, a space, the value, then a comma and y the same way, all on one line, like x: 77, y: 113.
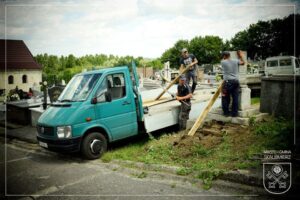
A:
x: 71, y: 61
x: 269, y: 38
x: 207, y: 49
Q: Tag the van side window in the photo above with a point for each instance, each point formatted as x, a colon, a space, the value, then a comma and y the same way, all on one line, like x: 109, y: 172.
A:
x: 272, y: 63
x: 285, y: 62
x: 114, y: 84
x: 118, y: 89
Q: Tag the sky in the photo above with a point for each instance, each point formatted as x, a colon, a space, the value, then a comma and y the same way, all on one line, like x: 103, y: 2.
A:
x: 129, y: 27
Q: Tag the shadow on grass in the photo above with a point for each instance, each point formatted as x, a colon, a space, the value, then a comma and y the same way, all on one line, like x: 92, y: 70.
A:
x: 142, y: 138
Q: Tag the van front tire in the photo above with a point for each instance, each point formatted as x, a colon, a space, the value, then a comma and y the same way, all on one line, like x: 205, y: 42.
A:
x: 93, y: 145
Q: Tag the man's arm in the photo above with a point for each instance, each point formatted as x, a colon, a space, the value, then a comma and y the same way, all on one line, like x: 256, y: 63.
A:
x: 184, y: 97
x: 240, y: 56
x: 195, y: 61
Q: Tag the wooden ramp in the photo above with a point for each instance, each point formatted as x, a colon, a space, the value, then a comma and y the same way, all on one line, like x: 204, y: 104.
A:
x: 205, y: 111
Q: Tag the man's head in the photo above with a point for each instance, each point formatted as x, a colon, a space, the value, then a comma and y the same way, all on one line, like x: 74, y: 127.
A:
x: 182, y: 79
x: 184, y: 52
x: 225, y: 54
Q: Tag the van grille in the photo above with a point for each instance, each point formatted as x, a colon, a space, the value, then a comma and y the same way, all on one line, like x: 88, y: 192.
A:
x: 45, y: 130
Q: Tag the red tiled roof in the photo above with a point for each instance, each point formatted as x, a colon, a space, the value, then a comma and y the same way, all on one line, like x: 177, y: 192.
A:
x: 18, y: 56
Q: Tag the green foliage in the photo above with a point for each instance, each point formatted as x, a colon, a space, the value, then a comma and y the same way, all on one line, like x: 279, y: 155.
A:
x: 279, y: 133
x: 200, y: 151
x: 268, y: 38
x: 252, y: 121
x: 206, y: 49
x: 183, y: 171
x: 60, y: 68
x: 260, y: 40
x: 237, y: 150
x: 218, y: 77
x: 247, y: 164
x: 208, y: 176
x: 255, y: 100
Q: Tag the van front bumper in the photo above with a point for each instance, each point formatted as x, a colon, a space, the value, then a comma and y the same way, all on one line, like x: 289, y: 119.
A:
x: 65, y: 145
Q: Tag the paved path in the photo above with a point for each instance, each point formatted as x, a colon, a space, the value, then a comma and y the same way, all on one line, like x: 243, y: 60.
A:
x: 31, y: 171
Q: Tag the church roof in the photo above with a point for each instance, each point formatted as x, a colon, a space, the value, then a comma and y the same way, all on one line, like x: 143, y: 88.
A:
x: 18, y: 56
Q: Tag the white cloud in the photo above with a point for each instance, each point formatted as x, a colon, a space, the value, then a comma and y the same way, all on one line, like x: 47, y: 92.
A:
x: 132, y: 27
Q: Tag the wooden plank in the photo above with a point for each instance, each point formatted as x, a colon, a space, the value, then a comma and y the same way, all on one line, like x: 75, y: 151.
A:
x: 153, y: 103
x: 172, y: 83
x: 204, y: 113
x: 146, y: 101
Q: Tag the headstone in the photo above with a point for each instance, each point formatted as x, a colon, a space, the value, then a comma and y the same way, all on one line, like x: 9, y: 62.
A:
x: 167, y: 70
x: 54, y: 92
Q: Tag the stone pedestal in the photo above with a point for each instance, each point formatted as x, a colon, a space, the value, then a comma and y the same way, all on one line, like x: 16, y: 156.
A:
x: 244, y: 98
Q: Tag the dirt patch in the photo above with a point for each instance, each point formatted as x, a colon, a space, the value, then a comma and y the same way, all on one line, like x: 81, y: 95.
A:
x: 211, y: 141
x: 211, y: 135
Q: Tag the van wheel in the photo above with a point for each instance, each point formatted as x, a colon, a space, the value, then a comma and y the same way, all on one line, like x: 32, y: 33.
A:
x: 93, y: 145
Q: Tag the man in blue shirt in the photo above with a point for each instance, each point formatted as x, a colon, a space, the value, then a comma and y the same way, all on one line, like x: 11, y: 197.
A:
x: 231, y: 82
x: 189, y: 60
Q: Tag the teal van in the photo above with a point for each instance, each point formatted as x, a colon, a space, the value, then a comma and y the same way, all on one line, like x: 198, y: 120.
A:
x: 95, y: 108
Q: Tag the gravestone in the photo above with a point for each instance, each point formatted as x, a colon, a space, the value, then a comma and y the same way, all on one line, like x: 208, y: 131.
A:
x: 54, y: 93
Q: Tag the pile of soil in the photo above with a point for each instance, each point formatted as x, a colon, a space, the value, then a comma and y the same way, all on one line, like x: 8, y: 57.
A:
x: 210, y: 135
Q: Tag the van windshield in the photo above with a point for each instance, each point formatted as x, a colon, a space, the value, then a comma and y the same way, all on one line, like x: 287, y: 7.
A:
x: 79, y: 88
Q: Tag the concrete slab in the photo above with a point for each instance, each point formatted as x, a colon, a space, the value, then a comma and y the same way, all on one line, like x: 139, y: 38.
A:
x: 254, y: 110
x: 243, y: 117
x: 240, y: 120
x: 261, y: 116
x: 218, y: 117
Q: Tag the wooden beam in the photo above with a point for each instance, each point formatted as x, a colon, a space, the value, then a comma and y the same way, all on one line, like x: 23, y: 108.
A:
x: 149, y: 104
x: 204, y: 113
x: 172, y: 83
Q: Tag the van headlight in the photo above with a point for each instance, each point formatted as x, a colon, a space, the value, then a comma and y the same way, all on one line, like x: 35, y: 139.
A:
x: 64, y: 131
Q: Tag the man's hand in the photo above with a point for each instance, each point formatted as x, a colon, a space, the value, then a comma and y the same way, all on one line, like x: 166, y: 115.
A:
x: 240, y: 56
x: 239, y: 53
x: 178, y: 98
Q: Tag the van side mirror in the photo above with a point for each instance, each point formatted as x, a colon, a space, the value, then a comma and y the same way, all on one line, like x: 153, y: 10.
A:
x: 94, y: 100
x: 108, y: 96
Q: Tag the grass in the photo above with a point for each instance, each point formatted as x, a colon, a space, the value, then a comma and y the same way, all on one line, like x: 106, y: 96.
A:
x: 233, y: 150
x: 255, y: 100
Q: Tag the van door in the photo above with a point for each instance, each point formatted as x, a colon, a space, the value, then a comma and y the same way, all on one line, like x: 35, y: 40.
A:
x: 119, y: 114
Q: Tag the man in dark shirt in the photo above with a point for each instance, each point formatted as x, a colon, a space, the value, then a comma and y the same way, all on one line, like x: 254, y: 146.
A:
x: 189, y: 60
x: 184, y: 95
